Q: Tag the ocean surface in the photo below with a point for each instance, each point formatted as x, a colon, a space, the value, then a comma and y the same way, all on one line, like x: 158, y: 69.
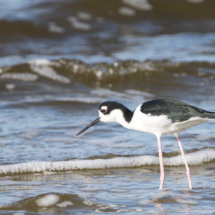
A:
x: 58, y: 61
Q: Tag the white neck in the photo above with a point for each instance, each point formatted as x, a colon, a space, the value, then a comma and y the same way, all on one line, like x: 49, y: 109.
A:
x: 115, y: 116
x: 120, y: 119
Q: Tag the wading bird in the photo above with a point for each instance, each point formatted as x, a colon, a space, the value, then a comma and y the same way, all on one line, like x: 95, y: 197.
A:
x: 159, y: 117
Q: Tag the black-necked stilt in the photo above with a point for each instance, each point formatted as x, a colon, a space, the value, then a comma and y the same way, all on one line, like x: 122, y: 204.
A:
x: 159, y: 117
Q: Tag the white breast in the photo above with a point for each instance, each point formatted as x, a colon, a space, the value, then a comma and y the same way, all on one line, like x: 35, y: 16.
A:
x: 157, y: 125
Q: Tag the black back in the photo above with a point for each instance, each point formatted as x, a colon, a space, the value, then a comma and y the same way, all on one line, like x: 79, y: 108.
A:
x: 115, y: 105
x: 175, y: 110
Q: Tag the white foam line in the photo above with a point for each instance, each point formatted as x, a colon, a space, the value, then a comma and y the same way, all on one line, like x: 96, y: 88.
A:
x: 195, y: 158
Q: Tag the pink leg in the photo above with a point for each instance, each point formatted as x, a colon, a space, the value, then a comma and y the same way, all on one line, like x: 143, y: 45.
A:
x: 185, y: 161
x: 162, y: 175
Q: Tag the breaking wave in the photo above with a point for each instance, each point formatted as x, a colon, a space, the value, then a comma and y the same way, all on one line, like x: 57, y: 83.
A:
x: 121, y: 74
x: 194, y: 158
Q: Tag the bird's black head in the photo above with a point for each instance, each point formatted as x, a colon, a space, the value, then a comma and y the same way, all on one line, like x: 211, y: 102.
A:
x: 111, y: 111
x: 107, y: 107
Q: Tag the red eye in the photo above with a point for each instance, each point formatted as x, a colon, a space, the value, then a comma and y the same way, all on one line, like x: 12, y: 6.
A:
x: 103, y: 110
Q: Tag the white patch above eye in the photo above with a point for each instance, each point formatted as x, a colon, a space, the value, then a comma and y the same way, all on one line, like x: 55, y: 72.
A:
x: 103, y: 109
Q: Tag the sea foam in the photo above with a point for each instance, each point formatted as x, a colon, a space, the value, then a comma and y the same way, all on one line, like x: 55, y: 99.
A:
x: 194, y: 158
x: 47, y: 200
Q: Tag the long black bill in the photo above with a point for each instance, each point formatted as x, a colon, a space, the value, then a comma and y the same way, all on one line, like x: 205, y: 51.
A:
x: 90, y: 125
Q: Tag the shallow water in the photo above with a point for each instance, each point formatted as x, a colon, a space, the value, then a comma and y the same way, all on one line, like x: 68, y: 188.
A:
x: 59, y: 60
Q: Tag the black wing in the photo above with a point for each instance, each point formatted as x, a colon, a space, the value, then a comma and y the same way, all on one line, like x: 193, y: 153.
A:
x: 175, y: 110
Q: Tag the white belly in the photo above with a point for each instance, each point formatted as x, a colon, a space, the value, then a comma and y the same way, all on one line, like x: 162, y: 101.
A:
x: 193, y: 121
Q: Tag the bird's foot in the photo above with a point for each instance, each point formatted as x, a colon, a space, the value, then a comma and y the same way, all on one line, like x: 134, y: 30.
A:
x: 162, y: 178
x: 189, y: 178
